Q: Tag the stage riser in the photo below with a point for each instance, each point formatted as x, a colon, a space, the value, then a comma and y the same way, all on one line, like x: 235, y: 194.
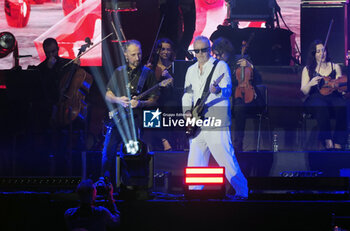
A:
x: 264, y: 163
x: 260, y: 164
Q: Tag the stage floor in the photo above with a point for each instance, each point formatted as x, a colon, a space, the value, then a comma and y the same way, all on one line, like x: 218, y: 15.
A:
x: 44, y: 211
x: 302, y: 208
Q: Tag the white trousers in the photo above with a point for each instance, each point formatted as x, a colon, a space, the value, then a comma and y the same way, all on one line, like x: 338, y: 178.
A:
x: 218, y: 143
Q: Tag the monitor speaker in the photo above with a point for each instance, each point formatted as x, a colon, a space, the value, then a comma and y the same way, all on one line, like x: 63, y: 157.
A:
x: 315, y: 21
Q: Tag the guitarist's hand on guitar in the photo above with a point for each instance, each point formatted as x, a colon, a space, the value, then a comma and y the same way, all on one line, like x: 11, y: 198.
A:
x: 123, y: 100
x: 214, y: 88
x: 188, y: 114
x: 135, y: 103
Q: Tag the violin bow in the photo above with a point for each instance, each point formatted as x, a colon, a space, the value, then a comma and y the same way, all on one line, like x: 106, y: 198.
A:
x: 86, y: 51
x: 155, y: 40
x: 245, y: 44
x: 325, y: 43
x: 119, y: 39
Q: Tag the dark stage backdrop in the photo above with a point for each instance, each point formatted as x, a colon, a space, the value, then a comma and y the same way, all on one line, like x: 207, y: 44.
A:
x: 269, y: 47
x: 46, y: 17
x: 315, y: 21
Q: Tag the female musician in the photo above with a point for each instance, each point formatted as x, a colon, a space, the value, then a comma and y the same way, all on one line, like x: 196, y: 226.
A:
x: 317, y: 68
x: 224, y: 50
x: 161, y: 63
x: 162, y: 58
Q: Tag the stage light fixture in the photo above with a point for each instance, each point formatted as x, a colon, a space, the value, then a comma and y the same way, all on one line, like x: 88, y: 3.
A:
x: 204, y: 182
x: 7, y: 43
x: 134, y: 171
x: 132, y: 147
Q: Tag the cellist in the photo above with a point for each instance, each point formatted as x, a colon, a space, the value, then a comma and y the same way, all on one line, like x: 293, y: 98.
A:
x: 317, y: 68
x: 224, y: 50
x: 65, y: 84
x: 51, y: 74
x: 61, y: 81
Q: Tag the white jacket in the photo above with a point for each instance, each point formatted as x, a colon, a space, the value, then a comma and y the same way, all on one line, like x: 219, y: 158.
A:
x: 218, y: 105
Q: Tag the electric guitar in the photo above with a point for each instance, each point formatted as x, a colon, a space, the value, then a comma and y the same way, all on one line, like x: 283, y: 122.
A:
x: 115, y: 113
x: 197, y: 110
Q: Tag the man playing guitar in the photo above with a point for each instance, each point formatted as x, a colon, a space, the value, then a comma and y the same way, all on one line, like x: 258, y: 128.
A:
x: 216, y: 139
x: 140, y: 78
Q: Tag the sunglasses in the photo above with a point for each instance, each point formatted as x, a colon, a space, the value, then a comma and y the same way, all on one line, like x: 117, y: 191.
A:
x: 203, y: 50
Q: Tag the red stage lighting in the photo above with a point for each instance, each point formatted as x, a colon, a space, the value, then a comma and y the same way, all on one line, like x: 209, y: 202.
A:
x: 211, y: 180
x: 204, y: 175
x: 17, y: 12
x: 70, y: 5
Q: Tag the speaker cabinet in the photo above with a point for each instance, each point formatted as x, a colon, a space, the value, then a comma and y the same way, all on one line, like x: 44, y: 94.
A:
x: 315, y: 21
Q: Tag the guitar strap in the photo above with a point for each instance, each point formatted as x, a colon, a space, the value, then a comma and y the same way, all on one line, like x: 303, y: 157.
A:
x: 142, y: 79
x: 209, y: 79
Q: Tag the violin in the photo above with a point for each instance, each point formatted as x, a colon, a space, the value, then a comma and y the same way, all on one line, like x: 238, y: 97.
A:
x: 244, y: 76
x: 328, y: 85
x: 74, y: 86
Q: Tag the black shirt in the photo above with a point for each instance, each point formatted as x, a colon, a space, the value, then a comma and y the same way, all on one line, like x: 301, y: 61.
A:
x: 119, y: 85
x: 51, y: 78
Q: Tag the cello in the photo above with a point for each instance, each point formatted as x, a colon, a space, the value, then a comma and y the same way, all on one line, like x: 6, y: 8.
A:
x: 74, y: 86
x: 244, y: 76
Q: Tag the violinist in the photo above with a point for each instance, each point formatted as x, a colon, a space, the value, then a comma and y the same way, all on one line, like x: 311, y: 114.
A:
x: 224, y: 50
x: 319, y: 66
x: 161, y: 63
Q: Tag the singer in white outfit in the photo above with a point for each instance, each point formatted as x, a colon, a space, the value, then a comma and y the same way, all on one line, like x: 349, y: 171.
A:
x: 213, y: 139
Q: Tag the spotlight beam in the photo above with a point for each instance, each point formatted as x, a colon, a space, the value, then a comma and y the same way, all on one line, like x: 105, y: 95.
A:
x: 124, y: 121
x: 102, y: 89
x: 125, y: 74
